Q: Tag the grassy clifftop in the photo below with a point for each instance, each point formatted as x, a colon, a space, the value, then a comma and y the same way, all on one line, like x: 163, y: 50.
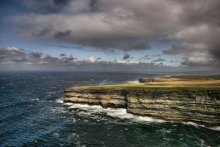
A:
x: 183, y: 81
x: 171, y: 83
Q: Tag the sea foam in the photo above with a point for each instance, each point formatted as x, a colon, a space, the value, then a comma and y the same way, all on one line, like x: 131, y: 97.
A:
x: 60, y: 101
x: 115, y: 112
x: 121, y: 113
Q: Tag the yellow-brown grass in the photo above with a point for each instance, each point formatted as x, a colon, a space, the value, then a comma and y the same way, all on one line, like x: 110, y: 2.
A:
x: 187, y: 83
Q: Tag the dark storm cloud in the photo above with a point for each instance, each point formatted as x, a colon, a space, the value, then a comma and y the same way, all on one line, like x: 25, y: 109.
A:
x: 198, y: 38
x: 200, y: 62
x: 196, y: 54
x: 98, y: 59
x: 62, y: 55
x: 193, y: 26
x: 18, y: 56
x: 105, y: 24
x: 41, y: 5
x: 126, y: 56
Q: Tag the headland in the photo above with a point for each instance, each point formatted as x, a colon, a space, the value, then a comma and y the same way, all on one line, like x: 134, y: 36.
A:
x: 176, y: 98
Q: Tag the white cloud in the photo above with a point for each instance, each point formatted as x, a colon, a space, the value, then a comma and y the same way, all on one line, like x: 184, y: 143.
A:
x: 92, y: 59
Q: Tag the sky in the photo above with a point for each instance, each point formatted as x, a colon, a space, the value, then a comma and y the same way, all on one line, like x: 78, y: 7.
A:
x: 110, y: 35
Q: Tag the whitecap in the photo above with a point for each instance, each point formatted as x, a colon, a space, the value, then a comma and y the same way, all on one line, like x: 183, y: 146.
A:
x: 121, y: 113
x: 193, y: 124
x: 216, y: 128
x: 67, y: 104
x: 148, y: 119
x: 35, y: 99
x: 86, y: 106
x: 115, y: 112
x: 60, y: 101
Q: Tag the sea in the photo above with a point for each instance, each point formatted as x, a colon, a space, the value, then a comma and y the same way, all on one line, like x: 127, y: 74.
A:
x: 32, y: 113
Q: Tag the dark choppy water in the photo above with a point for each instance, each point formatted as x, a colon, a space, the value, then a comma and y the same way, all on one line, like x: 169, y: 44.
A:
x: 32, y: 114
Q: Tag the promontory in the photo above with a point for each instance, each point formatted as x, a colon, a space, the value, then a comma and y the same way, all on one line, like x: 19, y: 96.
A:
x: 176, y: 98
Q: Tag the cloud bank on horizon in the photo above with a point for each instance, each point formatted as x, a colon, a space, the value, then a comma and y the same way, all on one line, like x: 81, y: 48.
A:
x: 18, y: 59
x: 192, y: 26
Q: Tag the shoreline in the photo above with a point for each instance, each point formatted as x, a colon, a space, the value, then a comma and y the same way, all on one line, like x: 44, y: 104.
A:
x: 121, y: 113
x: 196, y: 103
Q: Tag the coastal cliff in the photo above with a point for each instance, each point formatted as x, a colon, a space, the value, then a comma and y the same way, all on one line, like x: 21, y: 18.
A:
x: 196, y: 104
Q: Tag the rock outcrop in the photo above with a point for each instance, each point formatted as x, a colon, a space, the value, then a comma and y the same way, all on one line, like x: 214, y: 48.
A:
x: 201, y: 105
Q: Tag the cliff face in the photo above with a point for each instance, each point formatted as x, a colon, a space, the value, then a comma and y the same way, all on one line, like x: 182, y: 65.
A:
x: 173, y: 104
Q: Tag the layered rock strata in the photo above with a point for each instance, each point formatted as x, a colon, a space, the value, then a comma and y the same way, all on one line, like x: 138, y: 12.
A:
x: 201, y: 105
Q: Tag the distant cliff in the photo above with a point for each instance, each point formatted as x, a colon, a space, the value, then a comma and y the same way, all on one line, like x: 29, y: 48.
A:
x: 197, y: 104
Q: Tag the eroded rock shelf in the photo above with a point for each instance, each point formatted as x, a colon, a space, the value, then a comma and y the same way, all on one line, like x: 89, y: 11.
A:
x: 200, y: 105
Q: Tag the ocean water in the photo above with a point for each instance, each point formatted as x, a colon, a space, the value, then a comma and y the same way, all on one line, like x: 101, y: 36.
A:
x: 32, y: 113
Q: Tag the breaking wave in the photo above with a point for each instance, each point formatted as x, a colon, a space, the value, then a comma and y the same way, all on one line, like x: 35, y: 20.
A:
x: 59, y: 101
x: 115, y: 113
x: 121, y: 113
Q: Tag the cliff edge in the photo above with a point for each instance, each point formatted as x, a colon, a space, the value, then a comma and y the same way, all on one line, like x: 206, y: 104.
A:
x: 199, y: 104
